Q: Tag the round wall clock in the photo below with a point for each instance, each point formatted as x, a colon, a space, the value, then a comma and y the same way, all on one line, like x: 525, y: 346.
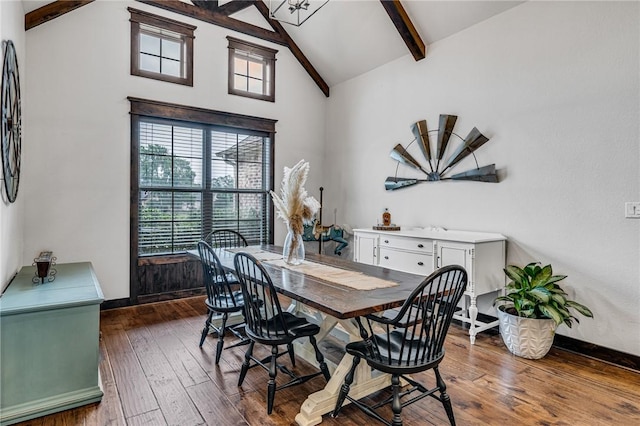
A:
x: 11, y: 122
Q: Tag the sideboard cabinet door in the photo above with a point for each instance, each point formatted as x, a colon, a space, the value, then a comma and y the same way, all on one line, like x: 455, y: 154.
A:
x: 484, y: 263
x: 366, y: 248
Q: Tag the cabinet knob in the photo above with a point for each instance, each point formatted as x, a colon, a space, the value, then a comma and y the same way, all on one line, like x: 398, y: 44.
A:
x: 386, y: 257
x: 420, y: 246
x: 386, y: 241
x: 420, y: 263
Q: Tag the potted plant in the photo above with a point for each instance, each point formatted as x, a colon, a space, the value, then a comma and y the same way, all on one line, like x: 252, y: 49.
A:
x: 533, y: 307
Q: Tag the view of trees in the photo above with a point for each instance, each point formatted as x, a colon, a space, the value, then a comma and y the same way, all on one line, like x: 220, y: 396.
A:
x: 156, y: 170
x: 158, y: 209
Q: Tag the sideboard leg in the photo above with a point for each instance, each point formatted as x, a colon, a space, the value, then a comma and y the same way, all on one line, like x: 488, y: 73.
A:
x: 473, y: 315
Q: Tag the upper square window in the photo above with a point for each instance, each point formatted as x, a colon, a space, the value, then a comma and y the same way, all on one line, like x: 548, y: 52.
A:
x: 161, y: 48
x: 252, y: 70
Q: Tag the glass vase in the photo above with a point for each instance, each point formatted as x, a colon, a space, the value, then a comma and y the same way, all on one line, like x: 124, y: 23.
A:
x: 293, y: 249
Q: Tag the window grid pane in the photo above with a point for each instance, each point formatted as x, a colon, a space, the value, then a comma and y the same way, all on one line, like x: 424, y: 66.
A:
x: 255, y: 70
x: 170, y: 67
x: 240, y: 82
x: 256, y: 86
x: 149, y: 44
x: 149, y: 63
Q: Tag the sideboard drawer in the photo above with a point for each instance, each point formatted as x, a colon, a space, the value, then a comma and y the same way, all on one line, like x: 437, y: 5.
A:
x: 405, y: 243
x: 415, y: 263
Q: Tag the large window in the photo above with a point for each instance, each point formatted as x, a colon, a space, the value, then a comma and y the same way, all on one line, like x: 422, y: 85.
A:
x: 161, y: 48
x: 252, y: 70
x: 195, y: 177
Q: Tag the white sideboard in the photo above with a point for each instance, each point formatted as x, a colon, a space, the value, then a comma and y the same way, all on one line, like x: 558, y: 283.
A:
x: 421, y: 251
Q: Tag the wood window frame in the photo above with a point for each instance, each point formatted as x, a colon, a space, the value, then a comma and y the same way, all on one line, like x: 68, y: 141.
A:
x: 269, y: 59
x: 186, y: 32
x: 179, y: 262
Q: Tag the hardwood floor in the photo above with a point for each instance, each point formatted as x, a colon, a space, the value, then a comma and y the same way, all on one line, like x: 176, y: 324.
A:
x: 154, y: 373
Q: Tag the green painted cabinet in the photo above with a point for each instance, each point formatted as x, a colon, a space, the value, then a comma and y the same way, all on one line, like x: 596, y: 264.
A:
x: 49, y: 337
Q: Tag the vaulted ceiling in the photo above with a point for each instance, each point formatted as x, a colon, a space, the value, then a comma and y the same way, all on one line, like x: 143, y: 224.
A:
x: 344, y: 39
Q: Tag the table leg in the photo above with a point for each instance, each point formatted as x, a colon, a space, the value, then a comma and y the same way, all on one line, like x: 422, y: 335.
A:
x: 365, y: 382
x: 324, y: 401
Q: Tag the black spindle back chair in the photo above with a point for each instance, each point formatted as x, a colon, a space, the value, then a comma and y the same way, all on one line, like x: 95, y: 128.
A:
x: 225, y: 238
x: 268, y: 324
x: 221, y: 299
x: 407, y: 341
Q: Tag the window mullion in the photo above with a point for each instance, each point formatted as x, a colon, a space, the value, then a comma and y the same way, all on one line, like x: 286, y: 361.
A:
x: 173, y: 193
x: 237, y: 177
x: 207, y: 194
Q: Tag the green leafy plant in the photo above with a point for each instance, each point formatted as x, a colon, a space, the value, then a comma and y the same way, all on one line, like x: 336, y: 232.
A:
x: 533, y: 292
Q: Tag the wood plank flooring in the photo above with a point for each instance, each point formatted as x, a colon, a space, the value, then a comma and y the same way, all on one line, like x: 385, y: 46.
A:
x: 153, y: 373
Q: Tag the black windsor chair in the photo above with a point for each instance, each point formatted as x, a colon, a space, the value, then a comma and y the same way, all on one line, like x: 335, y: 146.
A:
x: 268, y: 324
x: 225, y: 238
x: 408, y: 341
x: 221, y: 299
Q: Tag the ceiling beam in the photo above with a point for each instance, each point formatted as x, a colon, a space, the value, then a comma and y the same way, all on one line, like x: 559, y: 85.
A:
x: 277, y: 26
x: 235, y: 6
x: 51, y: 11
x: 212, y: 5
x: 405, y: 28
x: 216, y: 18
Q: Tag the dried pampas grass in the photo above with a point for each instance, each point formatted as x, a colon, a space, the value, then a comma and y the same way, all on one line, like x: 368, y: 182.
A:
x: 293, y: 205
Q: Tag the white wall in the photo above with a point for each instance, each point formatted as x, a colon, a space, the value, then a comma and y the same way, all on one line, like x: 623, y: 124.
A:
x: 556, y: 86
x: 11, y: 222
x: 77, y: 155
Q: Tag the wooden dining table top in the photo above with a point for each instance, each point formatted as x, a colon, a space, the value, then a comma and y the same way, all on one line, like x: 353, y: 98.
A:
x: 334, y: 299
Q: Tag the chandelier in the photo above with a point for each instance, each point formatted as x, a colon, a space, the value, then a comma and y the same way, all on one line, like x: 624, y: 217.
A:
x: 294, y: 12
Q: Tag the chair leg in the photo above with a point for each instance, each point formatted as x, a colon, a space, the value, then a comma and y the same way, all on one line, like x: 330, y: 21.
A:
x: 292, y: 355
x: 205, y: 330
x: 273, y: 371
x: 245, y: 364
x: 223, y: 326
x: 444, y: 397
x: 320, y: 359
x: 396, y: 406
x: 344, y: 390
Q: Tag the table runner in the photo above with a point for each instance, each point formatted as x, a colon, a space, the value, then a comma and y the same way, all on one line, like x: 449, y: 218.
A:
x: 256, y: 252
x: 351, y: 279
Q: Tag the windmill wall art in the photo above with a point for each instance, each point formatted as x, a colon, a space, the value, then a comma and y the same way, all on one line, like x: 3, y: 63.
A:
x: 439, y: 162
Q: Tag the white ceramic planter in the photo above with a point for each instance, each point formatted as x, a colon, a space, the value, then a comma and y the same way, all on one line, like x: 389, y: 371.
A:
x: 526, y: 337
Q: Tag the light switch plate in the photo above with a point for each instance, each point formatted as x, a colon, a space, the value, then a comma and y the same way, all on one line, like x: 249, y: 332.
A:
x: 632, y: 210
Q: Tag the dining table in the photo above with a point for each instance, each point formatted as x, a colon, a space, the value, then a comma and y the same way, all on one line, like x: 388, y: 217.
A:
x: 332, y: 292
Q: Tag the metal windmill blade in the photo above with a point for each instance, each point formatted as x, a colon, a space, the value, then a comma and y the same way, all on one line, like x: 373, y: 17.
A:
x: 483, y: 174
x: 421, y: 134
x: 401, y: 155
x: 473, y: 141
x: 444, y: 133
x: 393, y: 183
